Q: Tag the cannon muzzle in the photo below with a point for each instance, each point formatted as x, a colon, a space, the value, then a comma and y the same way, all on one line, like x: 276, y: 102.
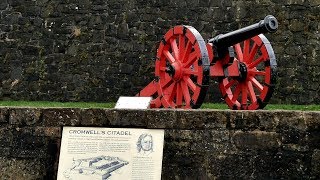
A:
x: 223, y: 41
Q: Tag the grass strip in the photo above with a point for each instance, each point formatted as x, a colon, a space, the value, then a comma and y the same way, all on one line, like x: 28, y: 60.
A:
x: 312, y: 107
x: 56, y: 104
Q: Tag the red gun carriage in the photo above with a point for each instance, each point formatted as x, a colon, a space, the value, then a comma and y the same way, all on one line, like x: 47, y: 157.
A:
x: 243, y: 62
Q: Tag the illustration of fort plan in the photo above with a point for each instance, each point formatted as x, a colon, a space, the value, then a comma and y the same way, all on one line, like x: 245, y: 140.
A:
x: 99, y: 167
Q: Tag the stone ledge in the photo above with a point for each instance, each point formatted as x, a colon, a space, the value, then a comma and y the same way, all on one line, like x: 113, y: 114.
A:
x: 210, y: 144
x: 167, y: 119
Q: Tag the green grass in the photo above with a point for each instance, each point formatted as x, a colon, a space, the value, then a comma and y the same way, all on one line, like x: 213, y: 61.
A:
x: 214, y: 106
x: 269, y: 107
x: 311, y: 107
x: 111, y: 105
x: 56, y: 104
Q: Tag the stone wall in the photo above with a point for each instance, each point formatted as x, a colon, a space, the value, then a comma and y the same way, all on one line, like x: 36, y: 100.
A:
x: 202, y: 144
x: 98, y: 50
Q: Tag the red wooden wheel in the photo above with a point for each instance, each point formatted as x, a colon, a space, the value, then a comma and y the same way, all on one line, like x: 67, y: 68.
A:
x: 253, y: 89
x: 182, y: 68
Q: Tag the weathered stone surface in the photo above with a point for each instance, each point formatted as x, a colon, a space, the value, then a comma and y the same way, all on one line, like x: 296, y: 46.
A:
x: 99, y: 50
x: 296, y: 25
x: 162, y: 119
x: 94, y: 117
x: 204, y: 144
x: 200, y: 141
x: 25, y: 144
x: 52, y: 132
x: 127, y: 118
x: 5, y: 137
x: 4, y: 115
x: 25, y: 116
x: 244, y: 120
x: 61, y: 117
x: 267, y: 121
x: 196, y: 119
x: 279, y: 163
x: 183, y: 166
x: 316, y: 162
x: 256, y: 140
x: 21, y: 169
x: 312, y: 120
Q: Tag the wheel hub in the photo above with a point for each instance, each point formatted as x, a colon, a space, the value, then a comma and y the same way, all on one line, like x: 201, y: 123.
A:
x: 243, y: 72
x: 175, y: 71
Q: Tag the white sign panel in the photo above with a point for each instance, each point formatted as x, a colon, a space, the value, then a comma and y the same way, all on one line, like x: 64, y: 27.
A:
x: 133, y: 102
x: 110, y: 154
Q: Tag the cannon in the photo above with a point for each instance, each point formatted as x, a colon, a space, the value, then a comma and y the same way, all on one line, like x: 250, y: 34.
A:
x: 242, y: 61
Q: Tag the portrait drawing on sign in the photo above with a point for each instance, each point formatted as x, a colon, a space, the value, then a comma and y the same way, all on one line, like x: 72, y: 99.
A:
x: 145, y: 144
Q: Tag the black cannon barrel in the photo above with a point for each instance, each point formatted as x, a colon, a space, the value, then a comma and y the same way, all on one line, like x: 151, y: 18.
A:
x: 268, y: 24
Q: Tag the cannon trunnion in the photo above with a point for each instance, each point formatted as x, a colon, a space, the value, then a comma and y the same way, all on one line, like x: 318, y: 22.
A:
x: 243, y: 62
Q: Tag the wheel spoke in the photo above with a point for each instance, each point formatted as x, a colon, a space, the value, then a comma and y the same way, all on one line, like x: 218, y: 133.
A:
x: 192, y: 57
x: 168, y: 91
x: 253, y: 52
x: 173, y: 93
x: 252, y: 94
x: 174, y: 48
x: 179, y: 95
x: 187, y: 52
x: 169, y: 56
x: 168, y: 94
x: 239, y: 52
x: 190, y: 83
x: 187, y: 71
x: 256, y: 83
x: 165, y: 103
x: 232, y: 82
x: 256, y: 62
x: 257, y: 73
x: 236, y: 92
x: 167, y: 82
x: 186, y: 94
x: 182, y: 44
x: 244, y: 95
